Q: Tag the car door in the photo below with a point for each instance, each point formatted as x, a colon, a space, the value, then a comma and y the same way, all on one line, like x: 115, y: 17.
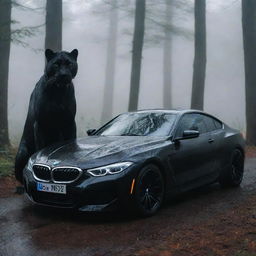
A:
x: 217, y: 133
x: 192, y: 160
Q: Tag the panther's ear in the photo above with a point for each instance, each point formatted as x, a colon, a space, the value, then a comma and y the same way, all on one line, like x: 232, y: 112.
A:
x: 49, y: 54
x: 74, y: 54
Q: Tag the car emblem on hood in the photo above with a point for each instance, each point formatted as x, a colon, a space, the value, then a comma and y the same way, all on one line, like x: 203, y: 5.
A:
x: 54, y: 162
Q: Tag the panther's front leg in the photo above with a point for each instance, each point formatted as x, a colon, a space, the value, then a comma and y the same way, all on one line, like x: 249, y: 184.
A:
x: 21, y: 160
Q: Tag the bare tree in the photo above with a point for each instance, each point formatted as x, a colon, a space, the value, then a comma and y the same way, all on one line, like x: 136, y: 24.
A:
x: 160, y: 28
x: 15, y: 35
x: 53, y: 35
x: 110, y: 64
x: 249, y: 38
x: 167, y: 56
x: 138, y: 38
x: 197, y: 100
x: 162, y: 20
x: 5, y: 42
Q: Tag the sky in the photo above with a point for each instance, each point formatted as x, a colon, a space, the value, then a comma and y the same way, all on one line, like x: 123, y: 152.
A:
x: 82, y: 29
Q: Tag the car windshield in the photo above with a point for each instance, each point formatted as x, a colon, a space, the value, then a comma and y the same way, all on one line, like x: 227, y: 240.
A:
x: 139, y: 124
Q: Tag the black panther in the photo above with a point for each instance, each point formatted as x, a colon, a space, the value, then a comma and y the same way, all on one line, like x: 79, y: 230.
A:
x: 52, y: 108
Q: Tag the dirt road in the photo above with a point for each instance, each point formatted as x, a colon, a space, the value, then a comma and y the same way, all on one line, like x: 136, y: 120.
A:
x: 210, y: 221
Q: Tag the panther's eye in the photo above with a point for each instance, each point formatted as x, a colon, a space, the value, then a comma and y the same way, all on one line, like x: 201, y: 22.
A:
x: 55, y: 65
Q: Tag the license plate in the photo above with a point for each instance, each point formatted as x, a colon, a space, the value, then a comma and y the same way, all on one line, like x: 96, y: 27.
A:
x: 51, y: 188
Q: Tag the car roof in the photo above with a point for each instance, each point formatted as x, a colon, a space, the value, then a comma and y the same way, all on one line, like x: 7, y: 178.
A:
x: 173, y: 111
x: 178, y: 111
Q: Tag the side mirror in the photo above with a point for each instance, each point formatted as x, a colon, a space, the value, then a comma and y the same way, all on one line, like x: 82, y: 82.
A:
x: 187, y: 134
x: 91, y: 132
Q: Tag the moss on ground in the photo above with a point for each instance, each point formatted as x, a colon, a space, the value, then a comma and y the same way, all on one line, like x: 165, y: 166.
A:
x: 7, y: 162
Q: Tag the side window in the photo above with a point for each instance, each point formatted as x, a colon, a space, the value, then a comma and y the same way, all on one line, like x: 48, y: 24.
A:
x: 209, y: 123
x: 185, y: 123
x: 218, y: 124
x: 199, y: 124
x: 212, y: 124
x: 191, y: 122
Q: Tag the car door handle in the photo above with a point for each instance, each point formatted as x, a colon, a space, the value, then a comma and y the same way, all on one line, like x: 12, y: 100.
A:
x: 211, y: 140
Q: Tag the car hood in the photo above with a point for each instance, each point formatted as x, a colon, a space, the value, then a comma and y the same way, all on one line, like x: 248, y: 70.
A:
x: 96, y: 150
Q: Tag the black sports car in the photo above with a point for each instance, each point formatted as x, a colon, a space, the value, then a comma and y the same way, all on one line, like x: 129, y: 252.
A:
x: 137, y: 160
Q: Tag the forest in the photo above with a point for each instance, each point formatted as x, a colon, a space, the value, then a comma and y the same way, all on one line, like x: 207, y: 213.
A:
x: 132, y: 55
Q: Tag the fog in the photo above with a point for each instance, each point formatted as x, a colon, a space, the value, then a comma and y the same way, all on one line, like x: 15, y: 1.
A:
x: 86, y: 31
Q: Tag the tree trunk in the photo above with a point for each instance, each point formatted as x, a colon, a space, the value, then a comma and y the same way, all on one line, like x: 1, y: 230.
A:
x: 138, y: 37
x: 5, y: 42
x: 53, y: 35
x: 110, y: 65
x: 249, y: 38
x: 167, y: 57
x: 197, y: 101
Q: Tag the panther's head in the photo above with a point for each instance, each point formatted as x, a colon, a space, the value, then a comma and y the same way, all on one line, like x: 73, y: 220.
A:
x: 61, y: 67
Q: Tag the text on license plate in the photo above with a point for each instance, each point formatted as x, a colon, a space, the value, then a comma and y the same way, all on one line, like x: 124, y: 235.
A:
x: 52, y: 188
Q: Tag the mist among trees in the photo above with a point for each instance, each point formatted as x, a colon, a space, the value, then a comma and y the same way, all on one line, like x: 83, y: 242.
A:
x: 133, y: 54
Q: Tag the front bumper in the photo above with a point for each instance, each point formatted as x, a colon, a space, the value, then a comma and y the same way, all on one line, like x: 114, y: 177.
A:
x: 88, y: 193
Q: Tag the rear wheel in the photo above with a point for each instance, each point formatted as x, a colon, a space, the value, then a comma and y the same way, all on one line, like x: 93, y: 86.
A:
x: 233, y: 176
x: 149, y: 191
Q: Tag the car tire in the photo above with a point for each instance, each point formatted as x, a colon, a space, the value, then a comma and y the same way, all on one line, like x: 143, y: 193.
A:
x: 233, y: 175
x: 149, y: 191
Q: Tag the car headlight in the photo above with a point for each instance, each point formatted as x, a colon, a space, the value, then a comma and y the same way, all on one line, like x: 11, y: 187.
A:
x: 30, y: 164
x: 109, y: 169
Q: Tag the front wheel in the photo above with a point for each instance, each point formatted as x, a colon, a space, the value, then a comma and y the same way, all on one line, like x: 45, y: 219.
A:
x: 149, y: 190
x: 234, y: 174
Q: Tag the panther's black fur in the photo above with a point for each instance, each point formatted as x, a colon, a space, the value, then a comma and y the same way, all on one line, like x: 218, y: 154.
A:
x: 52, y: 108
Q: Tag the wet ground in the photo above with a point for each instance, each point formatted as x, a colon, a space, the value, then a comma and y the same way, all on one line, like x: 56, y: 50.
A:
x: 209, y: 221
